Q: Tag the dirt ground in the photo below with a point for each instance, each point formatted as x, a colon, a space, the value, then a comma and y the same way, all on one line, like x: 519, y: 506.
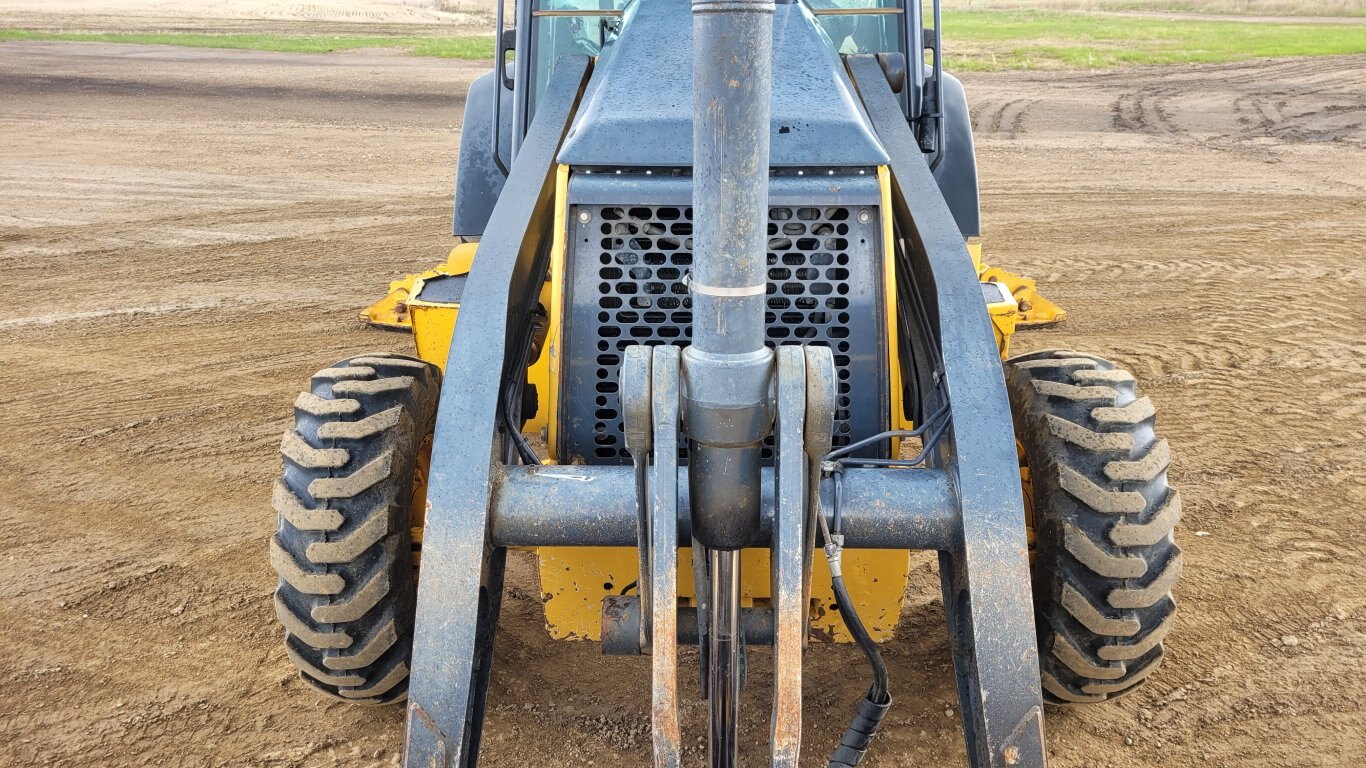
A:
x: 186, y: 234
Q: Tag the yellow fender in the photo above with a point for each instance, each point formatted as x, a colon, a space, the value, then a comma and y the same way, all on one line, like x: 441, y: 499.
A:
x: 392, y: 311
x: 1033, y: 310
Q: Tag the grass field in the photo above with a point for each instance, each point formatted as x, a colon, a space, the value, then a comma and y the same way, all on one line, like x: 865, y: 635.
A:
x: 1233, y: 7
x: 463, y: 47
x: 976, y: 40
x: 993, y: 40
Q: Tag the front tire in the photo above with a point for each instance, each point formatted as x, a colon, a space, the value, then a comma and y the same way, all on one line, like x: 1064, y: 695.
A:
x: 1104, y: 556
x: 343, y: 547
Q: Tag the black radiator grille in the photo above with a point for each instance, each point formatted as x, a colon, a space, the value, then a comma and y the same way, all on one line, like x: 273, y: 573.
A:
x: 628, y: 286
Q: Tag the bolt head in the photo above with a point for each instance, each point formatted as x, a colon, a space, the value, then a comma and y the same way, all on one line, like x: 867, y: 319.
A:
x: 865, y: 216
x: 585, y: 217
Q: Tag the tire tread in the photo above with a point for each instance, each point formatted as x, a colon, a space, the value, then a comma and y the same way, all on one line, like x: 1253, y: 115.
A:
x: 1106, y: 559
x: 342, y: 549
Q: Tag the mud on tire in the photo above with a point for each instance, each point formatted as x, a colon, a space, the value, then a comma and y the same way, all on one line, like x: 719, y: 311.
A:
x: 1105, y: 559
x: 343, y: 548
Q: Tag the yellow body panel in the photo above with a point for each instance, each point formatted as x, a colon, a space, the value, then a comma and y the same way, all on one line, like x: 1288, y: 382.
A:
x: 549, y: 363
x: 1004, y: 314
x: 433, y: 323
x: 392, y: 311
x: 895, y: 407
x: 1033, y: 309
x: 574, y: 580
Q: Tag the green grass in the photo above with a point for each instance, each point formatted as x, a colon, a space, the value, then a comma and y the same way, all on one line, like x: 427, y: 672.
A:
x: 975, y: 40
x: 1229, y: 7
x: 994, y: 40
x: 466, y: 47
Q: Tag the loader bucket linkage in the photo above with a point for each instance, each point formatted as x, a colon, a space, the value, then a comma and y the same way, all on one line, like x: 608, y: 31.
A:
x: 974, y: 522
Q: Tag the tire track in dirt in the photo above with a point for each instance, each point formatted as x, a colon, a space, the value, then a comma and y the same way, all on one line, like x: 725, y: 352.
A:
x: 1329, y: 102
x: 1004, y: 119
x: 148, y: 441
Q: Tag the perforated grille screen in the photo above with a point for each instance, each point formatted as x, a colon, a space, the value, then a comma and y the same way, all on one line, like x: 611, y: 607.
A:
x: 628, y: 285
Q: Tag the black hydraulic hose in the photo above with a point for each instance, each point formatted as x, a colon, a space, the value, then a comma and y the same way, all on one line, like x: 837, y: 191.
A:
x: 917, y: 460
x: 846, y: 606
x: 873, y: 708
x: 879, y: 437
x: 510, y: 398
x: 519, y: 441
x: 876, y: 703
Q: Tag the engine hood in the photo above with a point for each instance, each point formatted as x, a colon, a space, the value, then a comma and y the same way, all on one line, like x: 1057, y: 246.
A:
x: 637, y: 111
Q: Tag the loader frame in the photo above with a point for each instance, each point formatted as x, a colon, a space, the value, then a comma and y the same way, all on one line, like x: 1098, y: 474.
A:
x: 965, y: 503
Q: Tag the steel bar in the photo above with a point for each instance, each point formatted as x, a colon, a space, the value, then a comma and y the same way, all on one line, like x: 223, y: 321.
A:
x: 820, y: 429
x: 701, y: 590
x: 621, y: 621
x: 664, y: 494
x: 855, y: 11
x: 727, y: 368
x: 582, y: 506
x: 985, y: 572
x: 788, y: 552
x: 457, y: 596
x: 636, y: 386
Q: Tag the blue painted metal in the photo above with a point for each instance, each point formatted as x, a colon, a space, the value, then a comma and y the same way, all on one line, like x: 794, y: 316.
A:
x: 728, y: 371
x: 986, y: 572
x: 459, y: 592
x: 844, y: 187
x: 638, y: 111
x: 578, y: 506
x: 478, y: 180
x: 622, y: 621
x: 956, y: 171
x: 522, y: 105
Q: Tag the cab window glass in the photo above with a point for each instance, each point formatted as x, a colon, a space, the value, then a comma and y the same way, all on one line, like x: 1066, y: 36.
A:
x: 567, y: 28
x: 861, y: 26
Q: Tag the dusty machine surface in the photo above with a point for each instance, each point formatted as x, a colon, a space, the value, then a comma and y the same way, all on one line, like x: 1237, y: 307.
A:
x: 718, y: 344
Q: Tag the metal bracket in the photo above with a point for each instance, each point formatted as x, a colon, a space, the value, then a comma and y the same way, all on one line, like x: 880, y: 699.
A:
x: 820, y: 430
x: 636, y: 386
x: 789, y: 560
x: 664, y: 560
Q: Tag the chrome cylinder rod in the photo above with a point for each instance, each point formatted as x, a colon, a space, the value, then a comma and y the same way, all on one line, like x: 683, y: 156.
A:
x: 725, y: 649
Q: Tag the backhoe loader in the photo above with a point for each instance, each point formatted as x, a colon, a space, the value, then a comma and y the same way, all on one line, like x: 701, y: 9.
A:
x: 718, y: 346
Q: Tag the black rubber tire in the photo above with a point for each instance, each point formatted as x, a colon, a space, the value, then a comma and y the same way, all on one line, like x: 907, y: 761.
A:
x: 1105, y: 558
x: 343, y: 548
